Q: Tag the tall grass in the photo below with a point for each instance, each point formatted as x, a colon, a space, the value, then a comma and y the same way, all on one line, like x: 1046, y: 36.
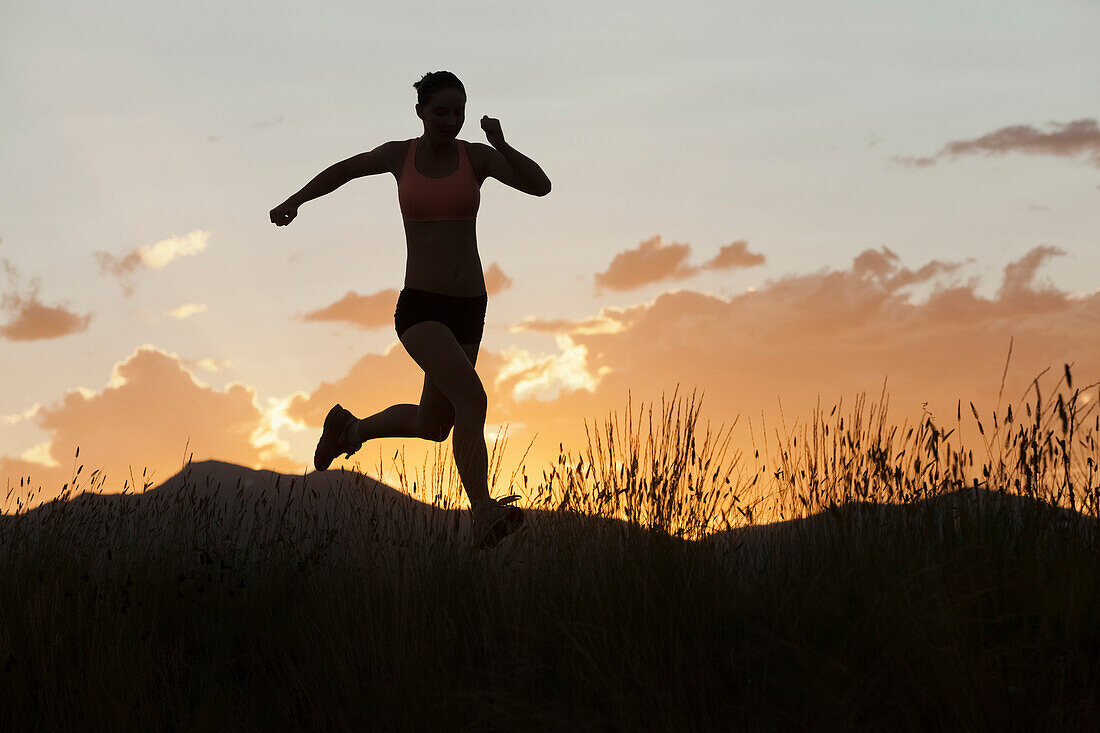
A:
x: 849, y: 573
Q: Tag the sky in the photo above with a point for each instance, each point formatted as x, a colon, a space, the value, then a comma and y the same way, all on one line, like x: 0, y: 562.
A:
x: 774, y: 203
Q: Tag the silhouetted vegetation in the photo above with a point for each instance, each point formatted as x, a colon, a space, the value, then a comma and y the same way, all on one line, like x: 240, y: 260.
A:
x: 854, y: 574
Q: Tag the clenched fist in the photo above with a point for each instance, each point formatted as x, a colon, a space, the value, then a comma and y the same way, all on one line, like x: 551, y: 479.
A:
x: 283, y: 214
x: 491, y: 126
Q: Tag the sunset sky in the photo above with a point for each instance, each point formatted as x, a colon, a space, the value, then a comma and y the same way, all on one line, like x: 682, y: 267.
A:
x: 769, y: 201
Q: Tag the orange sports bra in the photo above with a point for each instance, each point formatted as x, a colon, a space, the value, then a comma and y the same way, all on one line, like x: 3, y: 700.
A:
x: 451, y: 198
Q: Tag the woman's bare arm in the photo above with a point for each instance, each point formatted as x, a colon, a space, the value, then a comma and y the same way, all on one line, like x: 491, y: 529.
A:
x: 323, y: 183
x: 331, y: 178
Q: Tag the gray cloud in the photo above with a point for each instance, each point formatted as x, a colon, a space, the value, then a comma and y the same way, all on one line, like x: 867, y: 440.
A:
x: 1066, y: 139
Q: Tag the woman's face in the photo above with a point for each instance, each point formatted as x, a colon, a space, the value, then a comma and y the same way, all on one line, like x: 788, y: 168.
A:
x: 443, y: 113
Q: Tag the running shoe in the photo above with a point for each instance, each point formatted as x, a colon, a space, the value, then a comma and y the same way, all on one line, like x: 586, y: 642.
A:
x: 334, y: 438
x: 494, y: 521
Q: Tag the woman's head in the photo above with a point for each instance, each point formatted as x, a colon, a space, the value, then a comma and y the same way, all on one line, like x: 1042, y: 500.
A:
x: 441, y: 103
x: 433, y: 81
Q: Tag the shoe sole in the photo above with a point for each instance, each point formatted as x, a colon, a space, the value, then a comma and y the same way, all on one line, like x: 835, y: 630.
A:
x: 511, y: 521
x: 328, y: 447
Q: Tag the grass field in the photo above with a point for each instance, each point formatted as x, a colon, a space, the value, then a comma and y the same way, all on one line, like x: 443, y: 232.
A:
x: 854, y: 574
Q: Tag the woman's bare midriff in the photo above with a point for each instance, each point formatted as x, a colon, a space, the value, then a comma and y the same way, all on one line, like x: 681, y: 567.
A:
x: 443, y: 257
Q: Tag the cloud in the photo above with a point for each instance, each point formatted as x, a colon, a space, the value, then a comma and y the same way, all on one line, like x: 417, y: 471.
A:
x: 594, y: 324
x: 546, y: 376
x: 150, y: 257
x: 208, y: 364
x: 364, y: 311
x: 150, y: 411
x: 1018, y: 286
x: 1066, y: 139
x: 376, y: 310
x: 40, y: 454
x: 185, y: 310
x: 32, y: 320
x: 649, y: 262
x: 733, y: 255
x: 837, y: 332
x: 25, y: 415
x: 495, y: 280
x: 830, y: 334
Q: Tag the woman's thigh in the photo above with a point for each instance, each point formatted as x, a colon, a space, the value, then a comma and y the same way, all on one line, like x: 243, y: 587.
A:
x: 449, y: 374
x: 436, y: 411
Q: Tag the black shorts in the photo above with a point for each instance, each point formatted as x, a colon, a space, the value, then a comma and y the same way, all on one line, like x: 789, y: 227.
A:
x: 464, y: 315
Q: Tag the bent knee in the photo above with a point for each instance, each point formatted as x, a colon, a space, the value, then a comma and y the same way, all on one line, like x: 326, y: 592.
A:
x: 436, y: 433
x: 472, y: 405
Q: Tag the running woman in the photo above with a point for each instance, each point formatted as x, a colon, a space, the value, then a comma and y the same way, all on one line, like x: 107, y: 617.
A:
x: 440, y: 313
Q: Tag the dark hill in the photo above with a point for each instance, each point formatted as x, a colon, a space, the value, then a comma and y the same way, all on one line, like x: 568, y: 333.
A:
x: 225, y: 502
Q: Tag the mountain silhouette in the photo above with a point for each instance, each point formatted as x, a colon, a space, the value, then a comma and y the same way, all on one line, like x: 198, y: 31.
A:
x: 219, y: 502
x: 215, y: 501
x: 967, y: 514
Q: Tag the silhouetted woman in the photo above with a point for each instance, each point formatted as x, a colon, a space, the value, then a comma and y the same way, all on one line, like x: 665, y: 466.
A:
x: 440, y: 313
